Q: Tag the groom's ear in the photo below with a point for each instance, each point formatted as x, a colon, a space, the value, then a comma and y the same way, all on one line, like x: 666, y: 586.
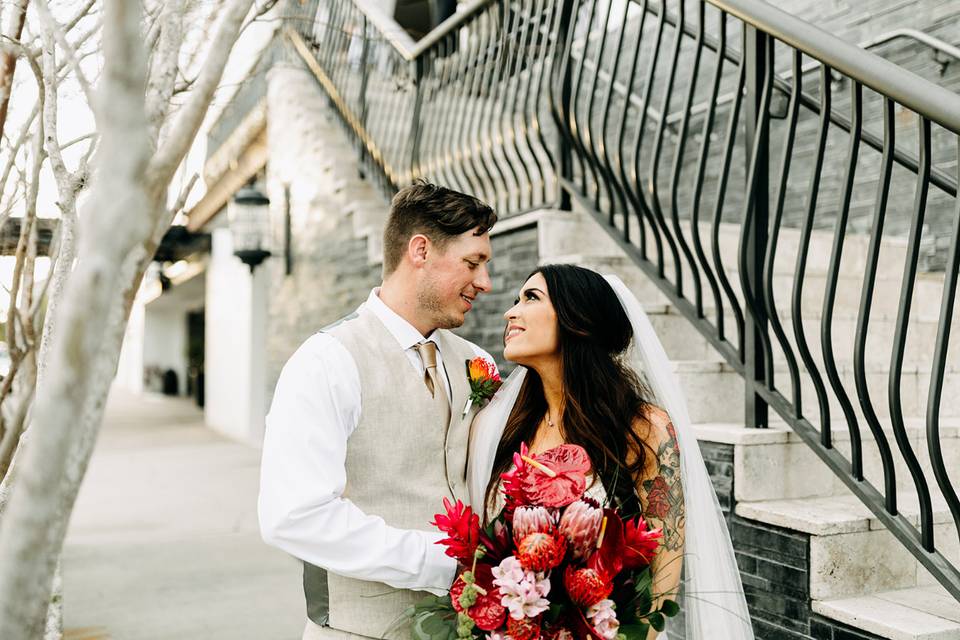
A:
x: 417, y: 249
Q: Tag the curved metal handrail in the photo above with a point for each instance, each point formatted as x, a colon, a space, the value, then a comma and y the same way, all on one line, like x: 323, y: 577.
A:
x: 931, y: 100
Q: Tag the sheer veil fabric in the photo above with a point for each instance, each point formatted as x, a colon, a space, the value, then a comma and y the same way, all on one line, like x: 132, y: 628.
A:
x: 713, y: 603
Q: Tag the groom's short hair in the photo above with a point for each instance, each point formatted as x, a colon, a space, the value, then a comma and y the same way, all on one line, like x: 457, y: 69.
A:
x: 437, y: 212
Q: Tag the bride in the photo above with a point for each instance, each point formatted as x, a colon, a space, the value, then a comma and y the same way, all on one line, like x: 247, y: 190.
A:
x: 593, y: 373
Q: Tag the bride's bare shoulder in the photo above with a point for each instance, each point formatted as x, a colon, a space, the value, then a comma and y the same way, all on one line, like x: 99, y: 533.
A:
x: 654, y: 426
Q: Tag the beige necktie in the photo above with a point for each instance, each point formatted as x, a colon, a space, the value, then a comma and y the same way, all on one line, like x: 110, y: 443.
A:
x: 431, y: 378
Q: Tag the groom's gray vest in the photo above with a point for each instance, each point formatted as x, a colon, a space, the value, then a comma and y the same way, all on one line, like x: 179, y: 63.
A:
x: 403, y: 458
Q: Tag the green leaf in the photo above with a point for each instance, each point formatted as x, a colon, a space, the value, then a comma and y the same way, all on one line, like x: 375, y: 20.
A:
x: 637, y: 631
x: 670, y: 608
x: 656, y: 621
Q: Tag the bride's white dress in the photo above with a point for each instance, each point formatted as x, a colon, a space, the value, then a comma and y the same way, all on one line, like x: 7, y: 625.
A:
x: 712, y: 602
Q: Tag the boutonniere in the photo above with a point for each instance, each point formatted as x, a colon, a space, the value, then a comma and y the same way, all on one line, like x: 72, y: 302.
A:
x: 484, y: 382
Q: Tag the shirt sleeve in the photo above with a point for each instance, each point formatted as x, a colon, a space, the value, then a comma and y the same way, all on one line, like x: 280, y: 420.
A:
x: 315, y: 408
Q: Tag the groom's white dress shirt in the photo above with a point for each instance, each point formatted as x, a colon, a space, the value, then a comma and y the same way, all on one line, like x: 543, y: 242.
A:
x: 315, y: 408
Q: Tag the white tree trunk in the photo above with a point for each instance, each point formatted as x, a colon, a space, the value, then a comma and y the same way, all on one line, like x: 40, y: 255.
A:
x: 123, y: 222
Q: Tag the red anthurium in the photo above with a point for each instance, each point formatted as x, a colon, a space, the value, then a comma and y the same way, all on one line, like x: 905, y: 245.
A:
x: 569, y: 464
x: 608, y: 559
x: 462, y: 527
x: 640, y: 544
x: 487, y: 612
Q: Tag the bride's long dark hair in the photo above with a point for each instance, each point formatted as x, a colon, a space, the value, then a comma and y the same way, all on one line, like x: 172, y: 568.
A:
x: 601, y: 396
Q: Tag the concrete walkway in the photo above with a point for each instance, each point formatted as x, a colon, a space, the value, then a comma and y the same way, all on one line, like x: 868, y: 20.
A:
x: 164, y: 542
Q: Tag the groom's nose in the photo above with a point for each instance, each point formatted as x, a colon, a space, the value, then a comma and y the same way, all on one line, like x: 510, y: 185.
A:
x: 482, y: 281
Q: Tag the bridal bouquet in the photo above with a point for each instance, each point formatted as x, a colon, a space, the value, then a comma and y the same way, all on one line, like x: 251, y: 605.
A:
x: 554, y: 564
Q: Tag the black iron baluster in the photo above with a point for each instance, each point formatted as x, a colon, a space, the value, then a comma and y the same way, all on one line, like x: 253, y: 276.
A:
x: 464, y: 150
x: 487, y: 64
x: 450, y: 131
x: 548, y: 57
x: 652, y: 188
x: 939, y: 364
x: 576, y: 128
x: 793, y: 111
x: 721, y: 196
x: 541, y: 44
x: 560, y: 109
x: 678, y: 156
x: 758, y: 52
x: 588, y: 136
x: 706, y: 132
x: 866, y: 303
x: 419, y: 69
x: 507, y: 136
x: 900, y: 339
x: 624, y: 183
x: 614, y: 192
x: 501, y: 46
x: 633, y: 184
x: 796, y: 309
x: 830, y: 294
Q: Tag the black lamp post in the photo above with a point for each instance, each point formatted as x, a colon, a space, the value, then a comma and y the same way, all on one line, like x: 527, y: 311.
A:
x: 249, y: 217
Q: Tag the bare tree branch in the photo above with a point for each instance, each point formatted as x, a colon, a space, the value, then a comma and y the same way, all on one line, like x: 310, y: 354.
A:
x: 8, y: 61
x: 49, y: 26
x: 184, y: 128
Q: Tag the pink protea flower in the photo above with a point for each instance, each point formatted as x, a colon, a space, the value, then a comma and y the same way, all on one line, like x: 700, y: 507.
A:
x: 580, y: 525
x: 603, y: 617
x: 527, y: 520
x: 524, y: 593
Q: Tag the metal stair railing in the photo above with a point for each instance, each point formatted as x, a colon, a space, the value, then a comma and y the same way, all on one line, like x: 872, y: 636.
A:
x: 514, y: 101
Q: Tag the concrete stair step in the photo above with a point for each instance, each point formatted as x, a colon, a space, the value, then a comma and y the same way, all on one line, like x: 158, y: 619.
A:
x: 852, y: 554
x: 920, y: 613
x: 776, y: 464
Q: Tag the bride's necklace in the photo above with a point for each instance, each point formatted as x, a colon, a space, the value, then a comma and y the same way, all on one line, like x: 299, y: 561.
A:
x: 549, y: 420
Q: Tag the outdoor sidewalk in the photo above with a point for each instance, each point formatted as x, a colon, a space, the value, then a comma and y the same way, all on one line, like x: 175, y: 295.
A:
x: 164, y: 542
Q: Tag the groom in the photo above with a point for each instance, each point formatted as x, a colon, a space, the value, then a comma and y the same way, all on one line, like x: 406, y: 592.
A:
x: 366, y: 433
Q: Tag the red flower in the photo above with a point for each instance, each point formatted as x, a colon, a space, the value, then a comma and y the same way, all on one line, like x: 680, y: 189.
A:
x: 524, y: 628
x: 487, y: 612
x: 607, y: 560
x: 541, y: 551
x: 570, y: 463
x: 639, y: 543
x: 585, y: 586
x: 513, y: 481
x: 497, y: 546
x: 462, y: 527
x: 658, y: 498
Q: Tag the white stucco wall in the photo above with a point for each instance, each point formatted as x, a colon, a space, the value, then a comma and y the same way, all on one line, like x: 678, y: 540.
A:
x: 130, y: 365
x: 235, y: 358
x: 165, y: 342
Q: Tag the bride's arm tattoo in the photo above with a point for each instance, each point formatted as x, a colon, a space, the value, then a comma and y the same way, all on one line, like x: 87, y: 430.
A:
x: 662, y: 493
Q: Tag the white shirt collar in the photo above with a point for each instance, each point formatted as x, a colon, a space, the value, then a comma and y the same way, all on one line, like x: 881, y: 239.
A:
x: 404, y: 332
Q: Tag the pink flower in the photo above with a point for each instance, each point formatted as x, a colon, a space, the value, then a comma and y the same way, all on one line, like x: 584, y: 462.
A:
x: 580, y: 525
x: 603, y: 617
x: 527, y: 520
x: 570, y: 464
x: 524, y: 593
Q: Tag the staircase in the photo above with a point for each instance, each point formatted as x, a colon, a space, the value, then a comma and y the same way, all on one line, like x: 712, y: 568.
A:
x: 684, y: 145
x: 854, y: 571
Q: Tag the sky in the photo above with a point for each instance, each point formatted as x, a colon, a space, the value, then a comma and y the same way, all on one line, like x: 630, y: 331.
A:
x: 75, y: 119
